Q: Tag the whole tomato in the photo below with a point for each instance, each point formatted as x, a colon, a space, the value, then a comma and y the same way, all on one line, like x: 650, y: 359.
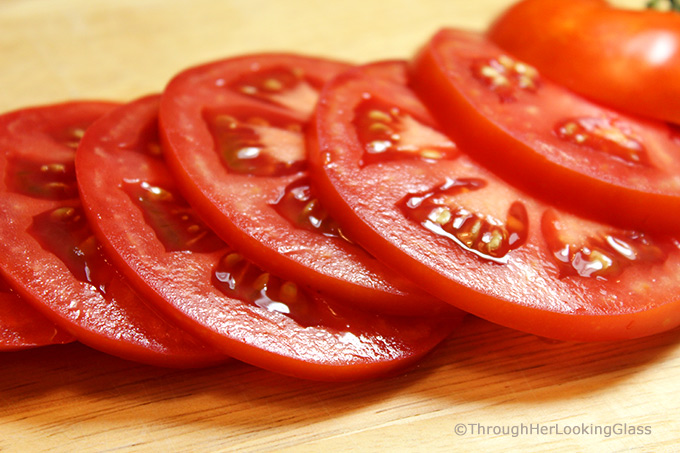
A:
x: 627, y: 59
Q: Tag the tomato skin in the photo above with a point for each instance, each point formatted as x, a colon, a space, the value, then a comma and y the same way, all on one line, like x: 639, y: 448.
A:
x: 111, y: 319
x: 355, y: 345
x: 239, y: 206
x: 533, y: 157
x: 626, y: 59
x: 527, y: 290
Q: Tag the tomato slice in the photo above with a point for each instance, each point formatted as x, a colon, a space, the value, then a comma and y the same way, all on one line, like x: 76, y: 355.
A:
x: 632, y: 57
x: 470, y: 238
x: 234, y: 140
x: 540, y: 136
x: 50, y: 255
x: 180, y: 264
x: 22, y: 326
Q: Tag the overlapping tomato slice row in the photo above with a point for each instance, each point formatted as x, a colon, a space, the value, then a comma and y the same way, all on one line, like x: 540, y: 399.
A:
x: 334, y: 222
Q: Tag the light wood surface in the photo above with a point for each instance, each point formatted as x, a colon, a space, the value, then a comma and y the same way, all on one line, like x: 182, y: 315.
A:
x: 71, y: 398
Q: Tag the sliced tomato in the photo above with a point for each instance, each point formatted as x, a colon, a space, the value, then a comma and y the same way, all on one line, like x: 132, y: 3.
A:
x: 627, y: 59
x: 554, y: 144
x: 465, y: 235
x: 234, y: 137
x: 22, y: 326
x: 180, y: 264
x: 50, y: 255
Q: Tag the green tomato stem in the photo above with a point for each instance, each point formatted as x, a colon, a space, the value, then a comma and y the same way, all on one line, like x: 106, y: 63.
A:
x: 674, y: 5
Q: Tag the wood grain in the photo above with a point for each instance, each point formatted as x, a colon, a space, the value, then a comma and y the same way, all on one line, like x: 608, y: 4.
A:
x: 72, y: 398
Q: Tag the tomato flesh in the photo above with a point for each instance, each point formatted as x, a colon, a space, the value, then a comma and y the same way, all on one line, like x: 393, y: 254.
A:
x: 480, y: 244
x: 554, y: 144
x: 234, y: 137
x: 247, y: 312
x: 51, y: 256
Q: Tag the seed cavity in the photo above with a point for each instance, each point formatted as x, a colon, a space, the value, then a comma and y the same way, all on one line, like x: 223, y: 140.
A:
x: 607, y: 135
x: 301, y: 208
x: 506, y: 76
x: 65, y: 233
x: 238, y: 278
x: 44, y: 180
x: 388, y: 133
x: 280, y: 85
x: 482, y: 234
x: 250, y: 144
x: 172, y: 219
x: 597, y: 252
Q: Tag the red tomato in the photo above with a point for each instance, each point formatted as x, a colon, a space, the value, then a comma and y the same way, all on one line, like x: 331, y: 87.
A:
x: 22, y: 326
x: 539, y: 136
x: 180, y: 264
x: 626, y: 59
x: 468, y: 237
x: 50, y: 256
x: 234, y: 140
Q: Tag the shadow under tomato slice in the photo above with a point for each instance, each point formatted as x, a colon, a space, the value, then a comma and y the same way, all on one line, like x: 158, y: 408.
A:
x: 22, y: 326
x: 544, y: 138
x: 234, y: 139
x: 213, y: 290
x: 52, y: 258
x: 480, y: 244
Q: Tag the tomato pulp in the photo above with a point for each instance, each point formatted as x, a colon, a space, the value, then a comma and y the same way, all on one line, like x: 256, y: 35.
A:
x: 180, y: 264
x: 540, y: 136
x: 233, y: 132
x: 623, y: 58
x: 50, y: 256
x: 414, y: 200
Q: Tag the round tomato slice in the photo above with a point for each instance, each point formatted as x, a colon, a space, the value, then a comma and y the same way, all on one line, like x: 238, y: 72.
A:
x: 623, y: 58
x: 233, y: 135
x: 22, y: 326
x: 180, y: 264
x: 470, y: 238
x: 542, y: 137
x: 50, y: 256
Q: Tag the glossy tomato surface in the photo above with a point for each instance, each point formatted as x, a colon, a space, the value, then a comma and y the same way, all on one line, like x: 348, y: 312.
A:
x: 627, y: 59
x: 234, y: 139
x: 22, y: 326
x: 556, y: 145
x: 417, y: 202
x: 180, y: 264
x: 50, y: 256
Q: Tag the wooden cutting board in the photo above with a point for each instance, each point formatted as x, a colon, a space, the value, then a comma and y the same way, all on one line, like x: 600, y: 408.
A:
x: 487, y: 387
